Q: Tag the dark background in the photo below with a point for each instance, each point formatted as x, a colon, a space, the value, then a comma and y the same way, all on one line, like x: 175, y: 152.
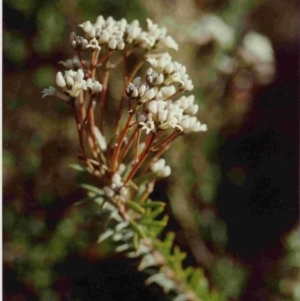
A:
x: 48, y: 250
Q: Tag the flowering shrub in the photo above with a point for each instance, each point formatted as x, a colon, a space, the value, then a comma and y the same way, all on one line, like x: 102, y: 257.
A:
x: 156, y: 115
x: 151, y: 114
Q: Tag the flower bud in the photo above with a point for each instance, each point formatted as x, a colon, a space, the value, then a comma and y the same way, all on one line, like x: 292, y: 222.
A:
x: 103, y: 37
x: 112, y: 44
x: 69, y: 81
x: 152, y: 107
x: 142, y: 89
x: 121, y: 46
x: 162, y: 115
x: 169, y: 68
x: 60, y: 81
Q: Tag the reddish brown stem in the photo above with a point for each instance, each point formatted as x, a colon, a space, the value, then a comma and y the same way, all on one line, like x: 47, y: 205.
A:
x: 114, y: 163
x: 83, y: 65
x: 80, y: 135
x: 88, y: 112
x: 166, y: 141
x: 141, y: 158
x: 136, y: 152
x: 103, y: 94
x: 125, y: 150
x: 103, y: 58
x: 82, y: 107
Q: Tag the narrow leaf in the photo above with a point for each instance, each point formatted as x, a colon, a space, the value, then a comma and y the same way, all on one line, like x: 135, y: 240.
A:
x: 135, y: 207
x: 137, y: 229
x: 105, y: 235
x: 151, y: 223
x: 153, y: 204
x: 77, y: 167
x: 92, y: 189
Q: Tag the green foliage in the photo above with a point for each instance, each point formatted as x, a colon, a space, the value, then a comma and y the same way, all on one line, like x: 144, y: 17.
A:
x: 15, y: 103
x: 44, y: 77
x: 134, y: 229
x: 231, y: 277
x: 36, y: 258
x: 14, y: 47
x: 49, y: 17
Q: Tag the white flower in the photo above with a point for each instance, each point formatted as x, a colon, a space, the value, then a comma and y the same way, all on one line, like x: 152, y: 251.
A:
x: 259, y: 47
x: 116, y: 181
x: 195, y: 126
x: 165, y: 114
x: 112, y: 44
x: 103, y: 37
x: 160, y: 168
x: 160, y: 63
x: 93, y: 44
x: 165, y: 92
x: 150, y: 94
x: 60, y: 80
x: 94, y: 85
x: 72, y: 82
x: 49, y: 92
x: 108, y: 191
x: 155, y: 37
x: 153, y: 78
x: 133, y: 31
x: 148, y: 126
x: 77, y: 42
x: 187, y: 104
x: 212, y: 27
x: 167, y: 42
x: 86, y: 26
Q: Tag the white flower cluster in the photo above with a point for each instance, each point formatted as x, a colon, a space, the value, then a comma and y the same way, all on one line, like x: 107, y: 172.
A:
x: 160, y: 169
x: 170, y: 72
x: 213, y: 28
x: 118, y: 33
x: 155, y: 37
x: 162, y: 115
x: 258, y: 47
x: 159, y: 80
x: 116, y: 188
x: 73, y: 83
x: 141, y: 92
x: 257, y: 52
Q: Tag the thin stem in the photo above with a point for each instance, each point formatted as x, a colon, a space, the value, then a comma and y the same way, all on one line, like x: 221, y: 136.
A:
x: 155, y: 158
x: 93, y: 63
x: 104, y: 57
x: 82, y: 63
x: 82, y: 107
x: 137, y: 142
x: 103, y: 93
x: 127, y: 80
x: 114, y: 163
x: 88, y: 112
x: 80, y: 135
x: 121, y: 58
x: 125, y: 150
x: 167, y: 140
x: 141, y: 158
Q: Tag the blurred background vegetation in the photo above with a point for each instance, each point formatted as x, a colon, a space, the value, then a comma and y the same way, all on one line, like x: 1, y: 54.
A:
x: 233, y: 192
